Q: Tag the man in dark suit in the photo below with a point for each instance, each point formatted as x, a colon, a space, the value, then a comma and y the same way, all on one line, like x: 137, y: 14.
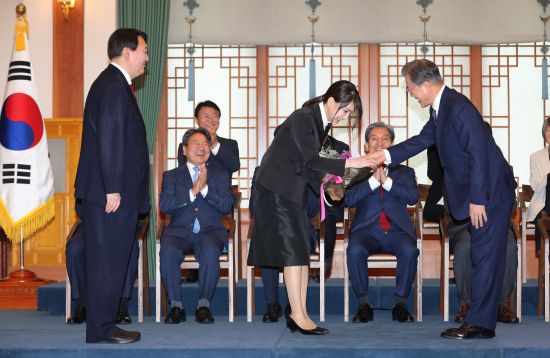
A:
x: 478, y: 182
x: 195, y: 200
x: 225, y: 151
x: 382, y: 225
x: 112, y: 181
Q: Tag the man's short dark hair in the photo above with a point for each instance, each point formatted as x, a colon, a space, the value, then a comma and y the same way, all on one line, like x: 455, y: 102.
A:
x: 545, y: 124
x: 207, y: 104
x: 420, y: 71
x: 388, y: 127
x: 122, y: 38
x: 191, y: 132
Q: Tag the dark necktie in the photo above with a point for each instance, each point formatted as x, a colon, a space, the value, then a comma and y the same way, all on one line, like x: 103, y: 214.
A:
x: 433, y: 115
x: 325, y: 134
x: 385, y: 223
x: 132, y: 89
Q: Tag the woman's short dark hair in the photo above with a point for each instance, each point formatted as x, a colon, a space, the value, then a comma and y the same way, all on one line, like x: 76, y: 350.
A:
x: 420, y: 71
x: 193, y: 131
x: 380, y: 124
x: 122, y: 38
x: 545, y: 124
x: 343, y: 92
x: 207, y: 104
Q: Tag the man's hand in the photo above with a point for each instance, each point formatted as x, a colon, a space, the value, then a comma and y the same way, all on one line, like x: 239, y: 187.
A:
x: 383, y: 175
x: 113, y: 202
x: 200, y: 183
x: 369, y: 160
x: 478, y: 216
x: 376, y: 158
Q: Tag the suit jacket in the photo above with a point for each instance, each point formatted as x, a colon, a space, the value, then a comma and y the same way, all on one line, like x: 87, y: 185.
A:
x: 175, y: 200
x: 228, y: 155
x: 113, y: 157
x: 369, y: 203
x: 292, y: 160
x: 475, y: 171
x: 540, y: 167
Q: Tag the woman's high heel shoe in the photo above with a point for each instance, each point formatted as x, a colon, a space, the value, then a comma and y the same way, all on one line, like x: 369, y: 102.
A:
x: 293, y: 326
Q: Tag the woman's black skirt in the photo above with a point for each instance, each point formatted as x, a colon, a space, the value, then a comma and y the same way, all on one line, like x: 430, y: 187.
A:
x: 280, y: 236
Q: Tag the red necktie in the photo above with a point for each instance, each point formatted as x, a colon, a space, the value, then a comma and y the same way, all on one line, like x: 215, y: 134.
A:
x: 132, y: 89
x: 384, y: 221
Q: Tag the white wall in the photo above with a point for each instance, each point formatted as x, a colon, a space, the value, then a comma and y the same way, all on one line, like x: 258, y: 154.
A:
x: 40, y: 17
x: 99, y: 23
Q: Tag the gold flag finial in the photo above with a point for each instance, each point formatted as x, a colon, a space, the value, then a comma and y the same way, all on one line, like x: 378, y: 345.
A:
x: 21, y: 27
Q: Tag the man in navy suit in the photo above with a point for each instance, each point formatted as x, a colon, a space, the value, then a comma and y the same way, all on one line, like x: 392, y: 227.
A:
x: 195, y: 194
x: 225, y: 151
x: 112, y: 181
x: 478, y: 181
x: 382, y: 225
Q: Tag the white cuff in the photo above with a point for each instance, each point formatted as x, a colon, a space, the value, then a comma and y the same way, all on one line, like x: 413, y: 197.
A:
x: 388, y: 184
x: 388, y: 156
x: 374, y: 184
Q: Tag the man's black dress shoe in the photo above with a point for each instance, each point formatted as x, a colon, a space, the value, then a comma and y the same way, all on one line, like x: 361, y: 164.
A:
x: 293, y: 326
x: 400, y: 313
x: 176, y: 315
x: 462, y: 313
x: 203, y: 315
x: 192, y: 276
x: 467, y: 331
x: 123, y: 317
x: 273, y: 313
x: 364, y: 314
x: 122, y: 336
x: 78, y: 316
x: 506, y: 315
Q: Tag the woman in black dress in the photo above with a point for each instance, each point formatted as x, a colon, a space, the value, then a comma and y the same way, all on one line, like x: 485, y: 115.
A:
x: 280, y: 236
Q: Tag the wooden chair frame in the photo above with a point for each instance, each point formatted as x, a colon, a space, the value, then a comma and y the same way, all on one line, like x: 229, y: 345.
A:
x: 386, y: 261
x: 227, y: 261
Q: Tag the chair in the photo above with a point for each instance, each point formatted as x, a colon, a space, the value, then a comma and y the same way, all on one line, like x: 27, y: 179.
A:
x: 525, y: 196
x: 385, y: 261
x: 543, y: 225
x: 316, y: 261
x: 427, y: 227
x: 447, y: 259
x: 237, y: 218
x: 227, y: 261
x: 143, y: 280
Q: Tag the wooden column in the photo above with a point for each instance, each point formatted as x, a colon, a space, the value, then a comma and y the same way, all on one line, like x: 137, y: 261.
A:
x: 369, y: 84
x: 475, y: 77
x: 68, y: 61
x: 262, y: 89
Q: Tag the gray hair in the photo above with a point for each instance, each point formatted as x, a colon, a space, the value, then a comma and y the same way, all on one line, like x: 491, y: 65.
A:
x: 420, y: 71
x: 192, y: 131
x: 380, y: 124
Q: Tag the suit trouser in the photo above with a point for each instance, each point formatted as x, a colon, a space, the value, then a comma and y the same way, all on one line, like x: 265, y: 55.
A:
x: 372, y: 240
x: 76, y: 267
x: 488, y: 250
x: 108, y: 242
x: 460, y: 245
x: 207, y: 250
x: 270, y: 281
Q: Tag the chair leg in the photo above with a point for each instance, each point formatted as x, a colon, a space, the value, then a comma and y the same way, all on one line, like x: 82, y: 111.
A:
x: 519, y: 275
x: 67, y: 296
x: 140, y: 282
x: 541, y: 275
x: 523, y: 249
x: 146, y: 294
x: 346, y: 284
x: 231, y: 284
x: 249, y: 293
x: 446, y: 282
x: 419, y: 281
x: 546, y: 279
x: 157, y: 284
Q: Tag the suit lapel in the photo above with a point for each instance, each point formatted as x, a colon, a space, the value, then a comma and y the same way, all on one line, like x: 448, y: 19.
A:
x: 442, y: 117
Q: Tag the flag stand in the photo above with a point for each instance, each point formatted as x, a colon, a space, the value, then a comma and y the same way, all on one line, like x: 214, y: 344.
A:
x: 18, y: 291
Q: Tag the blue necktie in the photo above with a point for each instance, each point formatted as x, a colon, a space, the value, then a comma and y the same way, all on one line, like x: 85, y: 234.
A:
x: 196, y: 225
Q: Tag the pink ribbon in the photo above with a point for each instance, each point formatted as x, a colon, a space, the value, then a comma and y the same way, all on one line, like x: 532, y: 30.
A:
x: 337, y: 180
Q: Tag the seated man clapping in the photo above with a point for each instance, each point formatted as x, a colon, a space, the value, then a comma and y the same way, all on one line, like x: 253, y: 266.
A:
x: 195, y: 195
